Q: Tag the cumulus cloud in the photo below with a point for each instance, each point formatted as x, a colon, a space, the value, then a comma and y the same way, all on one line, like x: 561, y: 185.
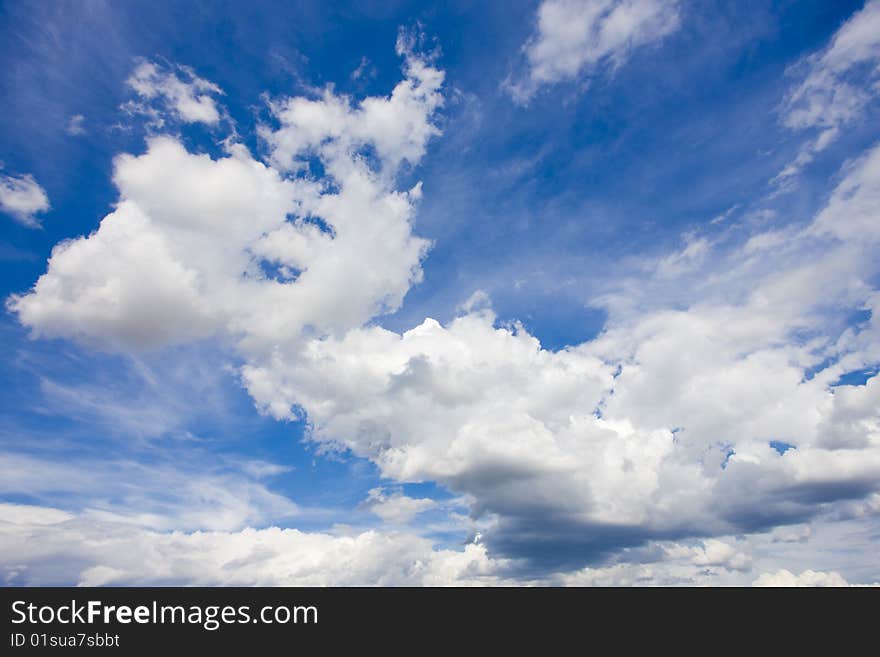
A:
x: 198, y: 246
x: 661, y: 429
x: 22, y: 198
x: 157, y: 286
x: 575, y: 38
x: 178, y: 92
x: 836, y: 86
x: 661, y: 426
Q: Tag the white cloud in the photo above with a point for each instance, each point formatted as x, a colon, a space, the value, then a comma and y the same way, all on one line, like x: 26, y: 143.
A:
x: 837, y: 85
x: 198, y: 246
x: 785, y: 578
x: 397, y: 127
x: 576, y: 37
x: 851, y: 213
x: 663, y: 424
x: 45, y: 546
x: 40, y: 546
x: 660, y: 428
x: 28, y: 514
x: 161, y: 496
x: 854, y: 421
x: 22, y: 198
x: 707, y: 562
x: 712, y: 552
x: 179, y: 92
x: 396, y: 507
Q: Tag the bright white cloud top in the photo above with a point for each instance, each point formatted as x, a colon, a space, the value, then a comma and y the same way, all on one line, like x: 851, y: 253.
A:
x: 661, y: 434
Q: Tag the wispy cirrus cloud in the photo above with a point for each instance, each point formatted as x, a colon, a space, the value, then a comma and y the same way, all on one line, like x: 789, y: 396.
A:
x: 837, y: 84
x: 160, y: 496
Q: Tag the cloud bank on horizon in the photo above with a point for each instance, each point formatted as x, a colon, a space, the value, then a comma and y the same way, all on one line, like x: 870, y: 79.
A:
x: 722, y: 427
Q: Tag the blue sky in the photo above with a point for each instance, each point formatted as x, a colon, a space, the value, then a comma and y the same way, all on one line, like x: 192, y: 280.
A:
x: 453, y: 293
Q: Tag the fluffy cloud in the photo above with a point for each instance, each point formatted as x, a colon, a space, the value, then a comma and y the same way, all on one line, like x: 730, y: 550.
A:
x: 196, y: 246
x: 576, y: 37
x: 44, y: 546
x: 397, y: 128
x: 838, y: 84
x: 22, y: 198
x: 178, y: 92
x: 665, y: 427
